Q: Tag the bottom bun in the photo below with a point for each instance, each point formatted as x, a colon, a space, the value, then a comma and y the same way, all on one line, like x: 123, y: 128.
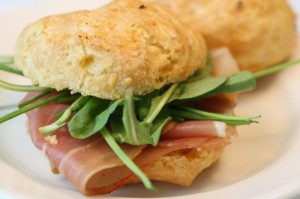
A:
x: 183, y: 166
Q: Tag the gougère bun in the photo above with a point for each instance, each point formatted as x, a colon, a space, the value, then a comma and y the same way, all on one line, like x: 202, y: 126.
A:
x: 183, y: 166
x: 260, y: 33
x: 125, y: 45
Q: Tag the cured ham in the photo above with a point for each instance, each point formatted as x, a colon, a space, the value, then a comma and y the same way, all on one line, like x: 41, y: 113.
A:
x: 223, y: 62
x: 90, y: 164
x: 77, y: 160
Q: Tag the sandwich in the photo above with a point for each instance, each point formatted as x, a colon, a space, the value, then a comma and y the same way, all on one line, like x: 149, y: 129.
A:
x: 258, y: 33
x: 126, y: 93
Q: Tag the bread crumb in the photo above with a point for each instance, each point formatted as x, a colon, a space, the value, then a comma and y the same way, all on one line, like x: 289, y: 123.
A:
x: 51, y: 139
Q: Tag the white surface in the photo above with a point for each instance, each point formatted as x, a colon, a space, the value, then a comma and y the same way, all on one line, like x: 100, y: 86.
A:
x: 263, y: 162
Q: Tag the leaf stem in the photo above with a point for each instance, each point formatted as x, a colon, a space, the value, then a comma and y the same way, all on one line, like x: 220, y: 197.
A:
x: 151, y: 117
x: 129, y: 118
x: 64, y: 117
x: 276, y: 68
x: 31, y: 107
x: 22, y: 88
x: 69, y: 99
x: 191, y: 113
x: 43, y: 94
x: 125, y: 159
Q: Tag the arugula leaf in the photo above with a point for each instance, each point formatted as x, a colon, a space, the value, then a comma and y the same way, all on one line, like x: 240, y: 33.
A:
x: 209, y: 86
x: 190, y: 113
x: 178, y: 91
x: 83, y: 122
x: 238, y: 82
x: 78, y: 104
x: 137, y: 133
x: 125, y: 159
x: 58, y: 115
x: 197, y: 88
x: 159, y: 102
x: 118, y: 129
x: 144, y: 104
x: 32, y: 106
x: 91, y: 117
x: 22, y: 88
x: 158, y: 124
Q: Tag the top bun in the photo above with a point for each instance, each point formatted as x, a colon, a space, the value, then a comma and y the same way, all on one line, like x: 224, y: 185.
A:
x: 259, y: 33
x: 126, y: 45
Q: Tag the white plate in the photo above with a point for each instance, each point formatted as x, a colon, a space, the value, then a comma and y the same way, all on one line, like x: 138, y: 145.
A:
x: 263, y: 162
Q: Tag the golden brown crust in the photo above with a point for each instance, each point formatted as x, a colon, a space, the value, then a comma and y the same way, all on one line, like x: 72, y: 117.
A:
x: 183, y: 166
x: 259, y: 33
x: 105, y: 52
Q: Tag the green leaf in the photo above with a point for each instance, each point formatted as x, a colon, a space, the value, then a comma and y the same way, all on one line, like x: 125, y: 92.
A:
x: 144, y: 104
x: 83, y: 122
x: 22, y: 88
x: 92, y: 117
x: 78, y: 104
x: 194, y: 114
x: 159, y: 102
x: 69, y: 99
x: 197, y: 88
x: 179, y: 90
x: 7, y: 68
x: 58, y: 115
x: 137, y: 133
x: 158, y: 124
x: 241, y: 81
x: 209, y: 86
x: 125, y: 159
x: 117, y: 127
x: 43, y: 94
x: 32, y: 106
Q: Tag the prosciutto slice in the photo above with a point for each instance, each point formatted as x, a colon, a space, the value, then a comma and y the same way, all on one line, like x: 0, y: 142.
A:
x: 223, y: 62
x: 90, y: 164
x: 77, y: 160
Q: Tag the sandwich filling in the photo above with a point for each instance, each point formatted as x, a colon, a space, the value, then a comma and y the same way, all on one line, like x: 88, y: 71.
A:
x: 93, y: 167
